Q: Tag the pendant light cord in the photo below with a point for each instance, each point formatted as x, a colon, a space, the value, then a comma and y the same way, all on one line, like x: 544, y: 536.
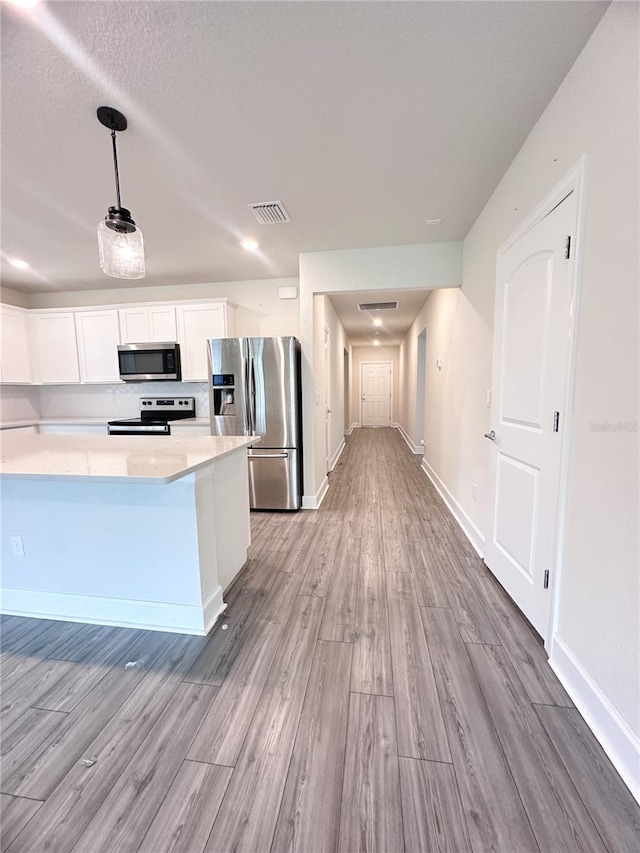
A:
x: 115, y: 166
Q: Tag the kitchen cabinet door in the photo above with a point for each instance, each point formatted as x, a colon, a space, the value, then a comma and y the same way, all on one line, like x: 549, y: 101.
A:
x: 196, y: 325
x: 183, y: 430
x: 54, y: 348
x: 134, y: 325
x: 73, y: 429
x: 147, y: 324
x: 162, y: 324
x: 15, y: 360
x: 98, y: 338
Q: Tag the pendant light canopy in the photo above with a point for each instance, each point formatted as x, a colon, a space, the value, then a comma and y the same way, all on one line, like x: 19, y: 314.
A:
x: 119, y: 239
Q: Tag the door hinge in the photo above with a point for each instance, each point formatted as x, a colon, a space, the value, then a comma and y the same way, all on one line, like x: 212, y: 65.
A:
x: 567, y: 247
x: 556, y: 421
x: 546, y: 579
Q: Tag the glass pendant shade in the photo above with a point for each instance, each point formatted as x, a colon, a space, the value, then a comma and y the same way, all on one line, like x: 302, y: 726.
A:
x: 121, y: 252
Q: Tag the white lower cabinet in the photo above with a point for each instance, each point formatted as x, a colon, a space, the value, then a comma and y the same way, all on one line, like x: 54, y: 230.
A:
x: 73, y: 429
x: 54, y: 348
x: 98, y: 338
x: 15, y: 361
x: 179, y: 430
x: 197, y: 323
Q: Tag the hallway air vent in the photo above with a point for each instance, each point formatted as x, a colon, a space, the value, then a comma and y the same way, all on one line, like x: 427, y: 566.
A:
x: 377, y: 306
x: 270, y: 212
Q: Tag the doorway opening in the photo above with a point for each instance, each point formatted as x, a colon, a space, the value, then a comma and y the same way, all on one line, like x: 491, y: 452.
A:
x: 421, y: 379
x: 327, y: 398
x: 347, y: 391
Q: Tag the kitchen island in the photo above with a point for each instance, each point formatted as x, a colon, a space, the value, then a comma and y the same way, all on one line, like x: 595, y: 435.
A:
x: 144, y: 532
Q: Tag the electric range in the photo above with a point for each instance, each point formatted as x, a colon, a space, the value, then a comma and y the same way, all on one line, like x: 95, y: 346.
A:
x: 156, y: 413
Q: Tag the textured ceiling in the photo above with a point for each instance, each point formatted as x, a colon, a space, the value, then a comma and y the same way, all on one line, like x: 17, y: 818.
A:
x: 365, y: 119
x: 359, y: 325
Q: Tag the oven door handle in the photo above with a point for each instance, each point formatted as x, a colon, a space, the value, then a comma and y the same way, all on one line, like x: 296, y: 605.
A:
x: 257, y: 456
x: 132, y: 430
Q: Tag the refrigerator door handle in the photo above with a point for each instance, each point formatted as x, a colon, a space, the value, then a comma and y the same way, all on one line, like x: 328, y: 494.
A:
x: 247, y: 402
x: 283, y: 455
x: 252, y: 397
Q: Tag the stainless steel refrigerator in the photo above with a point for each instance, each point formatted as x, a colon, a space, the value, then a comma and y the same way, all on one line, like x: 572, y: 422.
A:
x: 255, y: 390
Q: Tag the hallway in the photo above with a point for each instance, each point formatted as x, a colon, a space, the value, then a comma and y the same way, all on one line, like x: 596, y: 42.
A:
x: 371, y: 688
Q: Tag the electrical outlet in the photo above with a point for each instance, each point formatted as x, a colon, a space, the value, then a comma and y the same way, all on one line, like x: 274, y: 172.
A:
x: 17, y: 546
x: 474, y: 491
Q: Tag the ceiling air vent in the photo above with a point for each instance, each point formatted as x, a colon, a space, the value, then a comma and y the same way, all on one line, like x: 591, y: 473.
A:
x: 377, y: 306
x: 270, y: 212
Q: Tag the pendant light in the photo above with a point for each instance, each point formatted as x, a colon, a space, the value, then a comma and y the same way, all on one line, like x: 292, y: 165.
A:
x: 119, y: 238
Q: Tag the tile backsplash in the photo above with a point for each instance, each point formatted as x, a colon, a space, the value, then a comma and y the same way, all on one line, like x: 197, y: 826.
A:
x: 21, y: 402
x: 113, y: 401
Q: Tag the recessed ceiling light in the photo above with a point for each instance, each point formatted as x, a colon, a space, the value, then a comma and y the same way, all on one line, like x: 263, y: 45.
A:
x: 433, y: 222
x: 18, y: 263
x: 377, y: 322
x: 250, y: 245
x: 376, y: 343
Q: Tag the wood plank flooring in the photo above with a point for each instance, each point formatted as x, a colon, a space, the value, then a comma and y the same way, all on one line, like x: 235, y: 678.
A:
x: 374, y: 689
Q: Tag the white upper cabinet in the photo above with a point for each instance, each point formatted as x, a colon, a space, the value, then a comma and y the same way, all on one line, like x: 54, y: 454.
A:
x: 197, y: 323
x: 98, y: 338
x: 147, y: 324
x: 15, y: 360
x: 54, y: 348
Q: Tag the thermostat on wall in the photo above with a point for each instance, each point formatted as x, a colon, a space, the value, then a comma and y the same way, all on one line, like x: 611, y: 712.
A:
x: 288, y: 292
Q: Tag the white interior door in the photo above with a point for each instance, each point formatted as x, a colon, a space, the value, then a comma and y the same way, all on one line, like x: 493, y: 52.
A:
x: 530, y: 374
x: 375, y: 385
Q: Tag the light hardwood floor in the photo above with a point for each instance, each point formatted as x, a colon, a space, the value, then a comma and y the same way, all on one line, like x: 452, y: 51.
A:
x: 374, y: 689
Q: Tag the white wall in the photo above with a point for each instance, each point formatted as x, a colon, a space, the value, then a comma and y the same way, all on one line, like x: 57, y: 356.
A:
x: 455, y: 417
x: 418, y: 267
x: 260, y: 311
x: 594, y: 112
x: 361, y: 354
x: 338, y: 343
x: 14, y: 297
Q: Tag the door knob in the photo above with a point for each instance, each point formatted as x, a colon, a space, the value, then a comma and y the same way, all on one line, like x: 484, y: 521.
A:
x: 491, y: 435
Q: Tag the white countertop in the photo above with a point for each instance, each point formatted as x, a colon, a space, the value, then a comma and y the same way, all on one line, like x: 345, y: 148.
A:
x: 112, y: 459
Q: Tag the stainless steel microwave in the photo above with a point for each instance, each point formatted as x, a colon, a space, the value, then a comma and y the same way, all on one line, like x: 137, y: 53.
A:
x: 149, y: 362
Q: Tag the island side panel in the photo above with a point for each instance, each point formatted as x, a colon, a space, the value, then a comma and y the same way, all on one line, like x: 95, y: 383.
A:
x: 222, y: 501
x: 112, y: 553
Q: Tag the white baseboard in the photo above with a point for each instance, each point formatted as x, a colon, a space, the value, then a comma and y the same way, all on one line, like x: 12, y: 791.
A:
x: 418, y: 449
x: 314, y: 501
x: 213, y: 609
x: 613, y: 734
x: 122, y: 612
x: 351, y: 428
x: 337, y: 454
x: 468, y: 527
